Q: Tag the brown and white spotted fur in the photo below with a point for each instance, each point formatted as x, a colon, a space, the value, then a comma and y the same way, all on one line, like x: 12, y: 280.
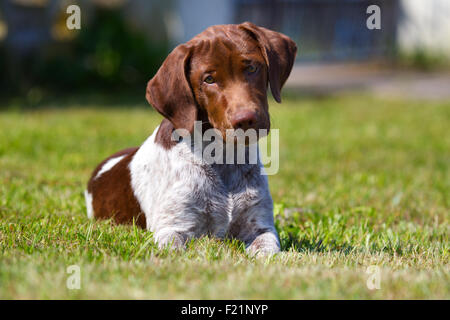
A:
x: 220, y: 78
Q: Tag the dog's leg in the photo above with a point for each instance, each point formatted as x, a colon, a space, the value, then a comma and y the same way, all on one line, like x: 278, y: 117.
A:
x: 266, y: 243
x: 170, y: 238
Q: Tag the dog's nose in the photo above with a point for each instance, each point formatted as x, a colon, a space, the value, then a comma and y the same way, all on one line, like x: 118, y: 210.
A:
x: 244, y: 119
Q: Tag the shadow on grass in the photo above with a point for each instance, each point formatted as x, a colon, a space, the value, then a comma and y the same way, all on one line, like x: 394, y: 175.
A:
x: 36, y: 99
x: 309, y: 245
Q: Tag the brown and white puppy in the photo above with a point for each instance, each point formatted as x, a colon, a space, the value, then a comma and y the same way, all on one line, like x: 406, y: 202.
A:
x: 220, y: 78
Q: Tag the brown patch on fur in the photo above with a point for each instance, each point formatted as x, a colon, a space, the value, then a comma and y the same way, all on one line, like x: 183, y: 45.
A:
x: 241, y: 59
x: 112, y: 194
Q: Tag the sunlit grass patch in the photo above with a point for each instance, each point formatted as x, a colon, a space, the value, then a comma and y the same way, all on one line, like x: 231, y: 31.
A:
x: 362, y: 182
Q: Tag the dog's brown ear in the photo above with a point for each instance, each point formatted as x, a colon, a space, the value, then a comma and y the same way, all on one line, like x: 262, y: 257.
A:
x: 279, y: 52
x: 169, y: 91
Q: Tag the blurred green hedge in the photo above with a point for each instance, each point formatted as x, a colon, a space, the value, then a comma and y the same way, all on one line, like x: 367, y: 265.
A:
x: 107, y: 54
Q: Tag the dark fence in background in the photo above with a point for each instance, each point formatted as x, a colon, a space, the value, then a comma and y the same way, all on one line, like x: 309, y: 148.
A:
x: 326, y: 29
x: 111, y: 53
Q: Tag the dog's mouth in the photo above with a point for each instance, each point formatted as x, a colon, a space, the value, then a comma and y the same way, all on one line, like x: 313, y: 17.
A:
x: 241, y: 136
x: 247, y: 137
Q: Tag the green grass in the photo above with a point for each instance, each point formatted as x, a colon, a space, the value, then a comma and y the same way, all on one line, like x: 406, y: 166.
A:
x: 362, y: 182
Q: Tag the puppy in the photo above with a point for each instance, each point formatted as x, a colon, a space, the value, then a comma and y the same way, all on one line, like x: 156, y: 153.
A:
x: 220, y: 78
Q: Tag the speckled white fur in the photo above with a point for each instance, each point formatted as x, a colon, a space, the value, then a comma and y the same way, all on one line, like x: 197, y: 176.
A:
x: 182, y: 197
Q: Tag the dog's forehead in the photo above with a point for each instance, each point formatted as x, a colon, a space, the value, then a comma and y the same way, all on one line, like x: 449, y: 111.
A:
x: 217, y: 43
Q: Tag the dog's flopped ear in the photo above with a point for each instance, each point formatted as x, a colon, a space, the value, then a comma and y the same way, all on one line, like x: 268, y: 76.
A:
x: 169, y: 91
x: 279, y: 52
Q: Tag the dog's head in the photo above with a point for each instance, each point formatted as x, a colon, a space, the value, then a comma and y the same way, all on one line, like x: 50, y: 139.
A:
x: 220, y: 77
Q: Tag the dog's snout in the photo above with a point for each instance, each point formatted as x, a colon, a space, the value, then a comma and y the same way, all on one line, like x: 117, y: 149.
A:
x: 244, y: 119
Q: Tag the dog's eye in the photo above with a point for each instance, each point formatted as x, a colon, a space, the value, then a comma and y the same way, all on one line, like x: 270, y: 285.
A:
x: 209, y: 79
x: 251, y: 69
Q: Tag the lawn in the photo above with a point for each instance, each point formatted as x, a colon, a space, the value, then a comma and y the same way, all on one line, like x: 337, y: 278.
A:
x: 362, y: 182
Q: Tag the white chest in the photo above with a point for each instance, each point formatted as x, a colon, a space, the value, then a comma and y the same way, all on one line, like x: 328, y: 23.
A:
x: 176, y: 190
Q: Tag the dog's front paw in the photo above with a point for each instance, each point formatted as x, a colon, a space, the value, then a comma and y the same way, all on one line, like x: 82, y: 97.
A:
x: 265, y: 244
x: 170, y: 239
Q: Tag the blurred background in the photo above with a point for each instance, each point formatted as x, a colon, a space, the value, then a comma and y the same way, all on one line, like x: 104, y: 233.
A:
x: 122, y: 43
